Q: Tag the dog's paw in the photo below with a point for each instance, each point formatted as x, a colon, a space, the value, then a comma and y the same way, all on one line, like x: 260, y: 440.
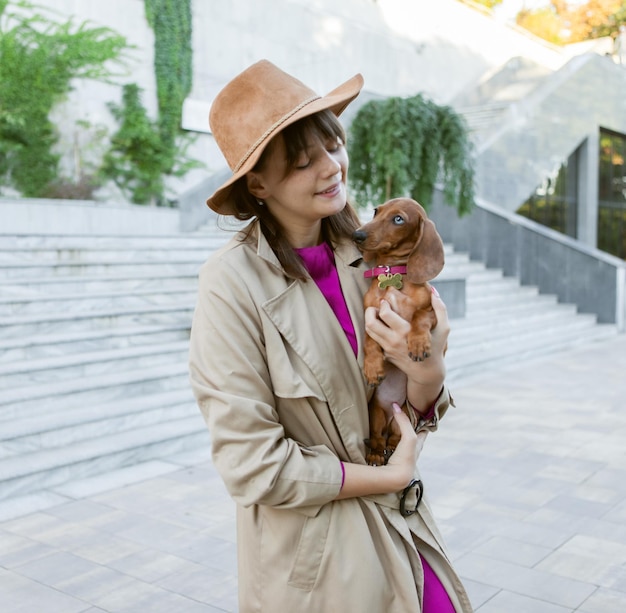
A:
x: 419, y: 347
x: 374, y: 374
x: 376, y: 458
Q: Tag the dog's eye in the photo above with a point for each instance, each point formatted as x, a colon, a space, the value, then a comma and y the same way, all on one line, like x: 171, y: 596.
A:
x: 398, y: 220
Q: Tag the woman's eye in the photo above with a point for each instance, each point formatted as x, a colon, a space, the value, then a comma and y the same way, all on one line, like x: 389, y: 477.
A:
x: 302, y: 164
x: 398, y: 220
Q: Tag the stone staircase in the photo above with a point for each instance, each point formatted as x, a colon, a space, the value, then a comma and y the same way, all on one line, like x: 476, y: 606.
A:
x: 93, y: 354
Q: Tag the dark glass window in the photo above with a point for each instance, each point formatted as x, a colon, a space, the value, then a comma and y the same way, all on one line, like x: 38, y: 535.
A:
x: 612, y: 194
x: 555, y: 202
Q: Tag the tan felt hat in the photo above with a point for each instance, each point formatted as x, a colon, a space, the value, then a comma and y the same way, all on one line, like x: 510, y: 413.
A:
x: 255, y: 106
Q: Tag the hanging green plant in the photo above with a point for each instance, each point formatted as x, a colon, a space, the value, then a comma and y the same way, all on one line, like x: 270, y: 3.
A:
x: 403, y: 146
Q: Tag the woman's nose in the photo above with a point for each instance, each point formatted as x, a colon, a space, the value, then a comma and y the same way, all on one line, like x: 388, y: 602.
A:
x: 331, y: 163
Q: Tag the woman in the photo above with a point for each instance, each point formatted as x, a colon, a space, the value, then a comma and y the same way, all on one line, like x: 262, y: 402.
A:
x: 276, y: 356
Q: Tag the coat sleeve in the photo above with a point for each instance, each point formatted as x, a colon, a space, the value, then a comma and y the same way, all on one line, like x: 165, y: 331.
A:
x: 232, y: 385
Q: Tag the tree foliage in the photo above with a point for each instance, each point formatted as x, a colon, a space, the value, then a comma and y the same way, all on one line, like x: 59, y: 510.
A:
x: 140, y: 159
x: 39, y: 57
x: 403, y: 146
x: 489, y: 3
x: 562, y: 22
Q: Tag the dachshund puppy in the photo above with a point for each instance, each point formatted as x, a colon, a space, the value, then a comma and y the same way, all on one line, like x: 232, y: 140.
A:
x: 405, y: 251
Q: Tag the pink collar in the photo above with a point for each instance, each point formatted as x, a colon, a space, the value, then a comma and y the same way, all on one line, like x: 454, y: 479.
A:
x: 382, y: 270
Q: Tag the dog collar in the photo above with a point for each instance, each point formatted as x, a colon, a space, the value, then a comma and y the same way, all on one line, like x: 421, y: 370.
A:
x: 384, y: 270
x: 388, y: 276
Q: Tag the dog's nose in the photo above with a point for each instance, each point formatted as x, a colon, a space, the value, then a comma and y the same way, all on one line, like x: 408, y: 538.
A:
x: 358, y: 236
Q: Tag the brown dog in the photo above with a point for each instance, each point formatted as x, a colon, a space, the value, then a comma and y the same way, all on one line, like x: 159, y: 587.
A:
x: 405, y: 251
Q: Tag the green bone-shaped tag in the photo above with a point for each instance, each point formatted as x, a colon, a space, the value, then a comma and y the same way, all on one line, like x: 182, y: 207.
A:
x: 389, y: 280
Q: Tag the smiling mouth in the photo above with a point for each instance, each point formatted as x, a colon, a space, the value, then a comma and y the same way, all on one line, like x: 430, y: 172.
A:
x: 330, y: 191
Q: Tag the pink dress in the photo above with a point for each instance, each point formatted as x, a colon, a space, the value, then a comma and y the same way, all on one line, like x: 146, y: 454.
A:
x: 320, y: 263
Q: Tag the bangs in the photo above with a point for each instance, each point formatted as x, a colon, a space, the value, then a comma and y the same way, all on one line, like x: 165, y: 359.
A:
x: 321, y: 126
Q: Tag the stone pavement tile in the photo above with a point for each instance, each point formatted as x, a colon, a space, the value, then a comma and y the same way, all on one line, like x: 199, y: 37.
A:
x: 86, y: 511
x: 23, y: 505
x: 22, y: 595
x: 81, y: 488
x: 479, y: 593
x: 212, y: 552
x: 139, y: 597
x: 617, y: 514
x: 529, y: 582
x: 516, y: 552
x: 557, y: 519
x: 579, y: 506
x: 508, y: 602
x: 604, y: 601
x: 217, y: 588
x: 590, y: 559
x: 52, y: 531
x: 606, y: 530
x: 73, y: 575
x: 16, y: 550
x: 150, y: 565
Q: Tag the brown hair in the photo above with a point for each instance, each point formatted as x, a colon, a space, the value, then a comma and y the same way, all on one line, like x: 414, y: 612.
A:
x: 334, y: 228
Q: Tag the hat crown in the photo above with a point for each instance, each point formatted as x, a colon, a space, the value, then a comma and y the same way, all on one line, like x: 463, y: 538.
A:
x: 253, y: 106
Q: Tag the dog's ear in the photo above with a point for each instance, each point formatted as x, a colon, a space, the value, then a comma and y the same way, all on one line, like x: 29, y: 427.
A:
x: 426, y: 260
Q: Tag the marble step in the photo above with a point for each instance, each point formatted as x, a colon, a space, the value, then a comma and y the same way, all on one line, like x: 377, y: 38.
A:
x: 46, y: 468
x: 67, y: 427
x: 142, y: 267
x: 518, y: 305
x: 49, y: 286
x: 68, y: 255
x: 51, y: 323
x: 475, y: 288
x: 468, y: 362
x: 89, y: 364
x: 468, y: 339
x: 34, y: 347
x: 32, y: 242
x: 80, y: 302
x: 31, y: 400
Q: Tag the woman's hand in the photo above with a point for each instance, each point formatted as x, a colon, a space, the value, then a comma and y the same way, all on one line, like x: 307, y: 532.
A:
x: 390, y: 331
x: 364, y: 480
x: 401, y: 464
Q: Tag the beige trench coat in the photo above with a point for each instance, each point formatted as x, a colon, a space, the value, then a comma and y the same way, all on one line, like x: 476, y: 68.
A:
x: 285, y: 401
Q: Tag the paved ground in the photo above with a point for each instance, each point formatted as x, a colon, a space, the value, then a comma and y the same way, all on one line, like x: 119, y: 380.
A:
x: 527, y: 477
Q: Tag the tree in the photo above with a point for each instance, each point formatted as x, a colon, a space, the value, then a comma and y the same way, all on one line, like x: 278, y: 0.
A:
x: 489, y: 3
x: 563, y: 22
x: 402, y: 146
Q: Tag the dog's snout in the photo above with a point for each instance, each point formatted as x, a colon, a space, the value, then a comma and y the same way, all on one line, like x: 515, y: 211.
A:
x: 358, y: 236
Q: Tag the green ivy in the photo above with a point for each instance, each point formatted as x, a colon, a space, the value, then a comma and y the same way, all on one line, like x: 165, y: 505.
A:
x: 403, y: 146
x: 137, y: 154
x: 144, y: 152
x: 171, y: 22
x: 38, y: 60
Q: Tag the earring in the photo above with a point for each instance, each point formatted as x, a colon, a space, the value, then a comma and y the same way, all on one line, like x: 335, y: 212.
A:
x: 260, y: 202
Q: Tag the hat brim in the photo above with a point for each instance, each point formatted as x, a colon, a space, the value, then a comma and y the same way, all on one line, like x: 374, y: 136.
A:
x: 336, y: 101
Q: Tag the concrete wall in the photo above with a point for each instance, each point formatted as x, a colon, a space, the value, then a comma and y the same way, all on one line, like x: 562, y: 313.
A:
x: 402, y: 47
x: 539, y: 132
x: 538, y: 256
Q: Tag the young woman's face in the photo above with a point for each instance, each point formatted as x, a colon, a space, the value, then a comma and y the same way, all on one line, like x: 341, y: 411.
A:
x: 300, y: 196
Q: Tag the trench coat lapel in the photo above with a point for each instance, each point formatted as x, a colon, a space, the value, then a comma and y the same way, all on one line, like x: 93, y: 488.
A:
x: 305, y: 320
